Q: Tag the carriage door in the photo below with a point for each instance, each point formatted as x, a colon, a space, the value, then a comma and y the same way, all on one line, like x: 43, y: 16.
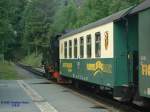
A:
x: 133, y: 49
x: 135, y: 67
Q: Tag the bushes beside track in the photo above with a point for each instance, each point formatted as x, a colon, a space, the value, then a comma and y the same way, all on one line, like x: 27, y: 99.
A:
x: 32, y: 60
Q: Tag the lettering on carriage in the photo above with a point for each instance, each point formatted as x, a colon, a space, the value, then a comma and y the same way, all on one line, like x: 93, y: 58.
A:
x: 68, y: 66
x: 99, y: 67
x: 146, y: 69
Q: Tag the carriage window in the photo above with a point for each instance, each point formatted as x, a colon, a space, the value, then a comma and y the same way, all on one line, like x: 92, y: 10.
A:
x: 81, y: 47
x: 75, y: 48
x: 65, y: 49
x: 89, y: 46
x: 98, y: 44
x: 70, y: 49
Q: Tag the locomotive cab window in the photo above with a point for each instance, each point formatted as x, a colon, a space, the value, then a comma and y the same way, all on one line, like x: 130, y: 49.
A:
x: 89, y: 48
x: 70, y: 49
x: 98, y: 44
x: 65, y: 49
x: 81, y: 47
x: 75, y: 48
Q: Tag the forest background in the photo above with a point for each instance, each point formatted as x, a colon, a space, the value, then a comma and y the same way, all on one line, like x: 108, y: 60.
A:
x: 27, y: 26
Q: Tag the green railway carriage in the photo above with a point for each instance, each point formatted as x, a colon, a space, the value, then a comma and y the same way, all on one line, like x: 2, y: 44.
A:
x: 112, y: 52
x: 143, y: 13
x: 97, y: 53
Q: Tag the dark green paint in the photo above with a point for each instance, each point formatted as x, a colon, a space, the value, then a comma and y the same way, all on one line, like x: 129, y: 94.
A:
x: 144, y: 50
x: 121, y: 75
x: 80, y: 71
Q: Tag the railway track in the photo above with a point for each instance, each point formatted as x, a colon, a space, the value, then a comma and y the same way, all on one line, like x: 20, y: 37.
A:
x: 105, y: 100
x: 100, y: 99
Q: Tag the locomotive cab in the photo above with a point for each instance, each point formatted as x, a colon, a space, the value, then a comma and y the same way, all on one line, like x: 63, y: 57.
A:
x: 50, y: 58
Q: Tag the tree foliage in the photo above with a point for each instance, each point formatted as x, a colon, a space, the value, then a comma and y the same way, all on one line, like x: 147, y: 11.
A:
x: 37, y: 21
x: 10, y: 12
x: 73, y: 15
x: 28, y: 25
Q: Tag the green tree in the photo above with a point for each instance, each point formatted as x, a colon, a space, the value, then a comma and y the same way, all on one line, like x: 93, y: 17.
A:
x: 65, y: 17
x: 38, y: 19
x: 117, y: 5
x: 6, y: 30
x: 10, y: 16
x: 92, y: 10
x: 72, y: 15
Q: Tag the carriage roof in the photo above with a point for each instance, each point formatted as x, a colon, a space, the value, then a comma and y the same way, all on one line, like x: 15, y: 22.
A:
x: 143, y: 6
x: 111, y: 18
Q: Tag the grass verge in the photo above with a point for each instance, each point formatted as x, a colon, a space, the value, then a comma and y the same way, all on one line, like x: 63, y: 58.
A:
x: 8, y: 71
